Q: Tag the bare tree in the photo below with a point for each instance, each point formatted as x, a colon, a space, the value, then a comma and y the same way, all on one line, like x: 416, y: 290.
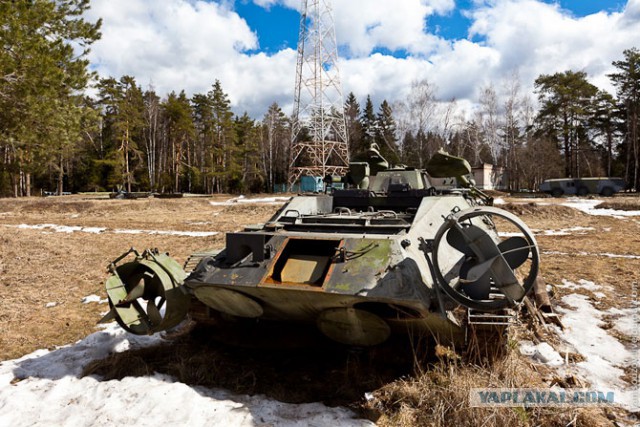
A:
x: 489, y: 122
x: 417, y: 115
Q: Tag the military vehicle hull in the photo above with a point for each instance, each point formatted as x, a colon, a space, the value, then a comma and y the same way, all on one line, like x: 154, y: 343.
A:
x: 360, y: 264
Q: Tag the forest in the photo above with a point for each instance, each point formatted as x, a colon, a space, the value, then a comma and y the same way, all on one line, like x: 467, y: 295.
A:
x: 55, y: 137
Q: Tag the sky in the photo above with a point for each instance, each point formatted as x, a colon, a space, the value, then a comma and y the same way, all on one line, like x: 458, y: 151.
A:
x: 460, y: 46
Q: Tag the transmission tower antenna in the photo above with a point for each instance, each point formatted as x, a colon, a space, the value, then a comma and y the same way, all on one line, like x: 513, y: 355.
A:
x: 319, y: 134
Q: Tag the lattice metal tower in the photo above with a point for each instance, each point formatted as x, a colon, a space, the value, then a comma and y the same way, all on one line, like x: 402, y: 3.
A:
x: 319, y: 135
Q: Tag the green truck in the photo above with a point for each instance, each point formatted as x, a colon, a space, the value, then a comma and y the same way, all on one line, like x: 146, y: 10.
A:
x: 604, y: 186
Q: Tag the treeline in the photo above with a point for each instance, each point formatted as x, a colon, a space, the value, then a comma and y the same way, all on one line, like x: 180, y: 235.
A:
x: 178, y: 144
x: 54, y: 137
x: 577, y: 130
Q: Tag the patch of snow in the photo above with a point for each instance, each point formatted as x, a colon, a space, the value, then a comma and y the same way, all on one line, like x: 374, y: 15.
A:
x: 510, y: 233
x: 582, y: 284
x: 589, y: 206
x: 179, y: 233
x: 98, y: 230
x: 93, y: 298
x: 47, y: 390
x: 562, y: 232
x: 625, y: 320
x: 604, y: 354
x: 498, y: 201
x: 599, y: 295
x: 567, y: 231
x: 591, y: 254
x: 53, y: 227
x: 542, y: 352
x: 620, y: 256
x: 94, y: 230
x: 242, y: 199
x: 131, y: 231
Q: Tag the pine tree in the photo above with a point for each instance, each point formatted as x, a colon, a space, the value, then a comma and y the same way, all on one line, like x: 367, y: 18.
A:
x: 203, y: 122
x: 180, y: 132
x: 627, y: 83
x: 152, y: 123
x: 40, y: 76
x: 276, y: 137
x: 128, y: 125
x: 250, y: 177
x: 354, y: 127
x: 565, y: 100
x: 605, y: 126
x: 369, y: 124
x: 410, y: 150
x: 223, y: 160
x: 386, y: 134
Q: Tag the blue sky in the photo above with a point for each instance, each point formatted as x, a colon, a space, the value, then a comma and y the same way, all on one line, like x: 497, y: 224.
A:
x: 459, y: 46
x: 277, y: 25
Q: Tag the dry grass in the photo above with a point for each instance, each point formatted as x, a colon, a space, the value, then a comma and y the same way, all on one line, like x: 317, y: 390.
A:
x: 38, y: 268
x: 626, y: 204
x: 41, y: 267
x: 439, y: 396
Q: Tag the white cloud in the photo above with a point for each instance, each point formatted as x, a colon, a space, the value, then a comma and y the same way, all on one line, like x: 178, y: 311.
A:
x: 187, y: 44
x: 382, y: 76
x: 538, y: 38
x: 179, y: 44
x: 363, y: 26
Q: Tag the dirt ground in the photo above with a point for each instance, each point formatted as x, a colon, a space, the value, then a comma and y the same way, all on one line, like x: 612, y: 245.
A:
x: 44, y: 274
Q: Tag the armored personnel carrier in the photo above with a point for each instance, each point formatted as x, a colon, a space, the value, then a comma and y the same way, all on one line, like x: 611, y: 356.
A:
x: 386, y: 254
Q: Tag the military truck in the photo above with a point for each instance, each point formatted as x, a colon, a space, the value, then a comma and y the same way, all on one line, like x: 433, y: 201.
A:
x: 582, y: 186
x: 388, y: 254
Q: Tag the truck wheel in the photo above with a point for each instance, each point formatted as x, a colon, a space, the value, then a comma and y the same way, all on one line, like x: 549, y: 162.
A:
x: 556, y: 192
x: 607, y: 192
x: 583, y: 191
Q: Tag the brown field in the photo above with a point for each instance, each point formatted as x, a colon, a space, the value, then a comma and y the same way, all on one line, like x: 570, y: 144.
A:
x: 38, y: 267
x: 45, y: 274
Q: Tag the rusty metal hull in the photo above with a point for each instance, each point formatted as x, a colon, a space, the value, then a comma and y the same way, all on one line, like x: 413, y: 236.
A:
x: 342, y: 263
x: 360, y: 264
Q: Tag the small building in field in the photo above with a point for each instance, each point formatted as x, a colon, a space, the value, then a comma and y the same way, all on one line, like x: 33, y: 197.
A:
x: 490, y: 177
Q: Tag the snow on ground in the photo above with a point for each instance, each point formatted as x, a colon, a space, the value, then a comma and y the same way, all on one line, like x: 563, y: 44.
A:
x: 567, y: 231
x: 582, y: 284
x: 45, y: 388
x: 262, y: 201
x: 608, y: 255
x: 586, y: 333
x: 625, y: 320
x: 562, y: 232
x: 589, y: 206
x: 93, y: 298
x: 168, y: 232
x: 55, y: 228
x: 542, y: 352
x: 605, y: 356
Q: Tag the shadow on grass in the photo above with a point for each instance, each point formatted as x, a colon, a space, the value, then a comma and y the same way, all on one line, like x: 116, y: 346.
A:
x: 291, y: 364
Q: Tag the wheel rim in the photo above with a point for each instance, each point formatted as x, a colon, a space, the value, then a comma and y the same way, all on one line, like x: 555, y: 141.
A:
x: 492, y: 272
